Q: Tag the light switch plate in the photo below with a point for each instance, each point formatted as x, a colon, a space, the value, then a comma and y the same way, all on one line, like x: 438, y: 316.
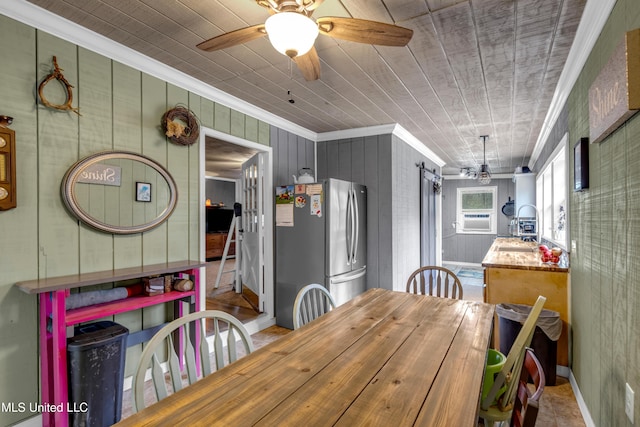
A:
x: 574, y: 246
x: 629, y: 402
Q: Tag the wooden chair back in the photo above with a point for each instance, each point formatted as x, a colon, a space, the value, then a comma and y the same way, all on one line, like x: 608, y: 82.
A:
x: 312, y: 301
x: 183, y: 343
x: 435, y: 281
x: 526, y: 405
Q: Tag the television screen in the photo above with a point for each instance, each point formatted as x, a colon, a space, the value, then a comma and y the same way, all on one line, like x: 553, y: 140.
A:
x: 581, y: 165
x: 219, y: 220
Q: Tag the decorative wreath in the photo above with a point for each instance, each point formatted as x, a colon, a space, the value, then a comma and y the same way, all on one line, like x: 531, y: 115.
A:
x: 181, y: 126
x: 57, y: 75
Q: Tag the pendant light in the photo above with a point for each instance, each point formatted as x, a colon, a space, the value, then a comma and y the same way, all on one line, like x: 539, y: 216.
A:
x: 484, y: 176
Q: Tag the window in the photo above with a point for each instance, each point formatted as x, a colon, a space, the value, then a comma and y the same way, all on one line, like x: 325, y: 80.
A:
x: 551, y: 197
x: 476, y: 210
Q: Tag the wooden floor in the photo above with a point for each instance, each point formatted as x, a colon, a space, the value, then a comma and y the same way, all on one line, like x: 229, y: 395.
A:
x: 224, y: 297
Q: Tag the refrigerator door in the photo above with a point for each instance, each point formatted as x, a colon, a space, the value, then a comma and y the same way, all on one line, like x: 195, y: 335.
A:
x: 300, y: 259
x: 346, y: 286
x: 339, y: 225
x: 359, y: 256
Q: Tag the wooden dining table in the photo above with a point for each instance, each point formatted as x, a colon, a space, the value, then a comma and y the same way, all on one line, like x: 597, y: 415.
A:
x: 384, y: 358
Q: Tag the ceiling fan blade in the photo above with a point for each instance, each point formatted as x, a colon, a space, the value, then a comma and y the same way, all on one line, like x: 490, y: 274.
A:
x: 363, y: 31
x: 233, y: 38
x: 309, y: 65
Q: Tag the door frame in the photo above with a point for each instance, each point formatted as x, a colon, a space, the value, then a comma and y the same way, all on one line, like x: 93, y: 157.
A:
x: 267, y: 318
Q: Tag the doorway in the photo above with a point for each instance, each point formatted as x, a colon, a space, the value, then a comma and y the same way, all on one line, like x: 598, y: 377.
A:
x: 223, y: 159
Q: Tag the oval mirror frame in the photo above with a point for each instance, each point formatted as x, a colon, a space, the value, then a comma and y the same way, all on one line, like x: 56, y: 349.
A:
x: 71, y: 201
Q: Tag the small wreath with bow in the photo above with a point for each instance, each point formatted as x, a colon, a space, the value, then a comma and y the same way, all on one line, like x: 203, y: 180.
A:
x: 181, y: 126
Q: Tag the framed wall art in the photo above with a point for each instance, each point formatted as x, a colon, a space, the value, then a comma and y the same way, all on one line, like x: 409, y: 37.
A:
x: 143, y: 192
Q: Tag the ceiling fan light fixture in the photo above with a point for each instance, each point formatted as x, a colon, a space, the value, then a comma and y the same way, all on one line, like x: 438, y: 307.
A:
x: 291, y: 33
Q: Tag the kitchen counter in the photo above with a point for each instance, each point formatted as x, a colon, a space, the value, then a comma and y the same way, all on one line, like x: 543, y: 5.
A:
x: 514, y: 253
x: 514, y: 273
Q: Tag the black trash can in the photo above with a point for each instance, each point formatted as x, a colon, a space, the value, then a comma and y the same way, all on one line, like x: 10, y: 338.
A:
x: 545, y: 336
x: 95, y: 364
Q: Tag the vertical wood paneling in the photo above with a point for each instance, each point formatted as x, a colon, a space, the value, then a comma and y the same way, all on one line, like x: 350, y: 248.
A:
x: 206, y: 116
x: 194, y: 182
x: 370, y: 179
x: 386, y: 165
x: 127, y: 135
x: 250, y: 128
x: 222, y: 118
x: 121, y: 110
x: 154, y: 145
x: 95, y: 130
x: 177, y: 158
x: 292, y: 158
x: 19, y: 242
x: 385, y: 212
x: 264, y: 133
x: 358, y: 164
x: 237, y: 124
x: 58, y: 150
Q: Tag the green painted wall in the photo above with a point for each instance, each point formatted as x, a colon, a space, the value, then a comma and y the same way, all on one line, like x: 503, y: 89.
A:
x: 605, y: 223
x: 121, y: 110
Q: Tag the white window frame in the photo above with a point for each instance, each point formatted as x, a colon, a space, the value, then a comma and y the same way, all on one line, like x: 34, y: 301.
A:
x: 492, y: 212
x: 551, y: 193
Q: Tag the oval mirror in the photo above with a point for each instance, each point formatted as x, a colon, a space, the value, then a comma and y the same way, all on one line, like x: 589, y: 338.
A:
x: 119, y: 192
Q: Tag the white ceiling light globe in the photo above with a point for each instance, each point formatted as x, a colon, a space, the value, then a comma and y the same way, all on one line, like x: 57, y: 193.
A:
x: 291, y: 33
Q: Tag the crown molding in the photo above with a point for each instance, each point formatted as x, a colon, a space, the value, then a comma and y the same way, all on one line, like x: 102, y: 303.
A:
x: 41, y: 19
x: 595, y: 15
x: 394, y: 129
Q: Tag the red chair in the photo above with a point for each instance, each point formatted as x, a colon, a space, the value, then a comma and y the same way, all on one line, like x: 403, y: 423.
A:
x: 525, y: 407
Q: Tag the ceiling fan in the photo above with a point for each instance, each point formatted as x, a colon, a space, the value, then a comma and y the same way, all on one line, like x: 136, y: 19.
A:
x: 292, y: 32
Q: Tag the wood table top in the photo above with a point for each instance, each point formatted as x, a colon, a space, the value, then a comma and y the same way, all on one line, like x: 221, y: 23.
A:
x: 383, y: 358
x: 513, y: 253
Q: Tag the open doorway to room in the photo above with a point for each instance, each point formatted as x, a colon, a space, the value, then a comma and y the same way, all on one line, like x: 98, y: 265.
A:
x: 228, y: 264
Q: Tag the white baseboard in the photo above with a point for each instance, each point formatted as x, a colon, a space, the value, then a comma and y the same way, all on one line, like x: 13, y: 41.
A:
x: 581, y: 403
x: 463, y: 264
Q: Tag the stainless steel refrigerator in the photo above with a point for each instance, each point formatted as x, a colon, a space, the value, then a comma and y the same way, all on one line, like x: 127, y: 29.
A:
x: 321, y: 238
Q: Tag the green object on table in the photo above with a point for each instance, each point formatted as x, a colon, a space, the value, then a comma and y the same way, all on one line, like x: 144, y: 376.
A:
x: 495, y: 362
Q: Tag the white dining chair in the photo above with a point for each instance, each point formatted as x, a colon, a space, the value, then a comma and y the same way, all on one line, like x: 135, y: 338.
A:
x: 191, y: 351
x: 435, y: 281
x: 312, y: 301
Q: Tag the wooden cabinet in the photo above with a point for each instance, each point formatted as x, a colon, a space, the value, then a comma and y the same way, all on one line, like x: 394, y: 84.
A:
x: 515, y: 286
x: 215, y: 245
x: 516, y: 276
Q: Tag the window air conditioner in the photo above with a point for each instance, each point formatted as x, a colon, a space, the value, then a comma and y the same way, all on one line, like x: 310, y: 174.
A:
x: 476, y: 222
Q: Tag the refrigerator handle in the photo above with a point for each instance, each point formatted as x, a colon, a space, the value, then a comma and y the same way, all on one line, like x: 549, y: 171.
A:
x: 349, y: 233
x: 356, y: 215
x: 348, y: 277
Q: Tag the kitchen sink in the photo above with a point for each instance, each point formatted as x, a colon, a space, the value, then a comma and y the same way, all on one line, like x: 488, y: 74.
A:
x: 514, y: 249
